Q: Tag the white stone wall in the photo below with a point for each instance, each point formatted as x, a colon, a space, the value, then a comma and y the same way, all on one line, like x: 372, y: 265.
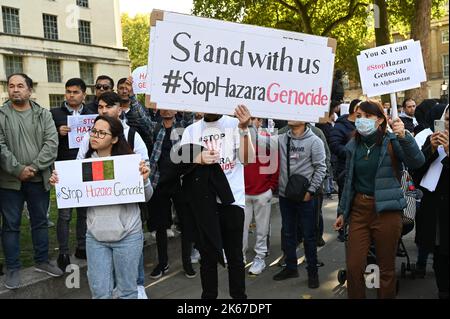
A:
x: 106, y: 51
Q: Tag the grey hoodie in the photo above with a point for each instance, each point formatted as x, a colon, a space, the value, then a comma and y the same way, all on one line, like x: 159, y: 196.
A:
x: 307, y: 159
x: 112, y: 223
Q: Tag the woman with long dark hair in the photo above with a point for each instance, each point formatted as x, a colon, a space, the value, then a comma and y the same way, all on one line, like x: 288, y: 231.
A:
x: 372, y: 201
x: 114, y: 236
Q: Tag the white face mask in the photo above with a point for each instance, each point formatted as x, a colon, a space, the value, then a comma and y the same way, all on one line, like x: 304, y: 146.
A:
x: 365, y: 126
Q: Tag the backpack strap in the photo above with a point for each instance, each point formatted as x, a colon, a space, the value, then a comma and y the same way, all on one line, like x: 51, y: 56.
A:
x: 130, y: 138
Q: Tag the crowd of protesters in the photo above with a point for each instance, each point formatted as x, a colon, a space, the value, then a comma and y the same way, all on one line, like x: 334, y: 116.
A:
x: 229, y: 170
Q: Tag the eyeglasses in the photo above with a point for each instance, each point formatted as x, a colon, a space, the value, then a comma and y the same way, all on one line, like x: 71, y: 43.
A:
x: 99, y: 134
x: 103, y: 87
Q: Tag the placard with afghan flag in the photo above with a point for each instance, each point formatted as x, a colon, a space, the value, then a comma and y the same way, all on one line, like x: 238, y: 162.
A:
x: 99, y: 181
x: 98, y: 171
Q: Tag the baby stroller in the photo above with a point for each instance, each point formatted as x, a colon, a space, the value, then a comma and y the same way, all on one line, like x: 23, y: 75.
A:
x: 412, y: 195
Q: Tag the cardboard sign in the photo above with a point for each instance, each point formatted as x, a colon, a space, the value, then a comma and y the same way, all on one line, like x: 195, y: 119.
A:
x: 391, y: 68
x: 79, y: 126
x: 205, y: 65
x: 99, y: 181
x: 139, y: 79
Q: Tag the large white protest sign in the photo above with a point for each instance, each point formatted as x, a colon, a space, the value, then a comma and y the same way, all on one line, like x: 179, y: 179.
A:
x: 212, y: 66
x: 99, y: 181
x: 79, y: 126
x: 139, y: 79
x: 391, y: 68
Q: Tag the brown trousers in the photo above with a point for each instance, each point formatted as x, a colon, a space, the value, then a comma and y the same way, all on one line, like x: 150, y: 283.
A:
x: 385, y: 230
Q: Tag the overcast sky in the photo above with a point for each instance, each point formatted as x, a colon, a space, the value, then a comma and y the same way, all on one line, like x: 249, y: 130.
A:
x: 146, y: 6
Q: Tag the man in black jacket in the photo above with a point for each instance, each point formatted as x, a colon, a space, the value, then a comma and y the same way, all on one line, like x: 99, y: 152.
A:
x: 226, y: 141
x: 73, y: 105
x: 407, y: 117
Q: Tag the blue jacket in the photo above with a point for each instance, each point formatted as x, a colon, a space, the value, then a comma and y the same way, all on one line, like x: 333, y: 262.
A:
x: 388, y: 193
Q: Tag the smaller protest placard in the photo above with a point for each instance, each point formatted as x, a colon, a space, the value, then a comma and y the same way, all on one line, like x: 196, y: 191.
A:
x: 99, y: 181
x: 79, y: 126
x: 139, y: 79
x: 391, y: 68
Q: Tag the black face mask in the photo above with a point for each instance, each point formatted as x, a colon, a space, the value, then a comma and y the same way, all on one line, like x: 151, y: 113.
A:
x: 212, y: 117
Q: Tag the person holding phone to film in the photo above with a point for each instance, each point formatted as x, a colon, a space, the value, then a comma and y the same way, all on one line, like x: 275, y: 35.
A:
x: 432, y: 217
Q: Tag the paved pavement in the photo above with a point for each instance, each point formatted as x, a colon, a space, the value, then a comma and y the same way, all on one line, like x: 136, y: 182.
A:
x: 174, y: 285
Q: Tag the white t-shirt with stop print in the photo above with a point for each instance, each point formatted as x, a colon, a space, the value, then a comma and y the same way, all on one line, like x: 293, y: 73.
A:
x: 222, y: 136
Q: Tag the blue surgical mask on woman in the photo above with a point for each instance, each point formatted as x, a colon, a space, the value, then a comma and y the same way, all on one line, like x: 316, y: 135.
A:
x: 365, y: 126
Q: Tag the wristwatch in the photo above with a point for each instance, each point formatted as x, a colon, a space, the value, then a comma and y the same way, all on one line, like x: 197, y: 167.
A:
x: 244, y: 132
x: 311, y: 193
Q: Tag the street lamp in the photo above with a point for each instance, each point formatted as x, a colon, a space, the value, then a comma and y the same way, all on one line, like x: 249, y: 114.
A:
x: 444, y: 87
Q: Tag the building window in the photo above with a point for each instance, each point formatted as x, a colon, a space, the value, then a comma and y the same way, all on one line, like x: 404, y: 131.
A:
x: 56, y: 100
x: 87, y: 72
x: 13, y: 64
x: 83, y: 3
x: 50, y: 26
x: 54, y: 71
x: 445, y: 65
x: 11, y: 22
x: 445, y: 36
x: 84, y: 31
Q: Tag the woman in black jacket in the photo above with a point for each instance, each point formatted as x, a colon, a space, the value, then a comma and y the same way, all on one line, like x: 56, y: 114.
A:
x: 432, y: 217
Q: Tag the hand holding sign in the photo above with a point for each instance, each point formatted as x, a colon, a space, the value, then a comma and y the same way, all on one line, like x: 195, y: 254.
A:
x: 398, y: 127
x: 53, y: 180
x: 145, y: 171
x: 63, y: 130
x: 129, y: 84
x: 243, y: 115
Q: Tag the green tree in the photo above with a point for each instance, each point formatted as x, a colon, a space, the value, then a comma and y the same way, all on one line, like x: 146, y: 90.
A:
x: 135, y: 36
x: 411, y: 18
x: 344, y: 20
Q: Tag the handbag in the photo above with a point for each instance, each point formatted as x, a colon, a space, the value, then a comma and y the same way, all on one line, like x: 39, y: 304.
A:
x: 410, y: 192
x: 297, y: 184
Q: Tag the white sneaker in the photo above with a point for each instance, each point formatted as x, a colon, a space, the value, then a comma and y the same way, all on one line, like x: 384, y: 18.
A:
x: 141, y: 292
x: 115, y: 293
x: 257, y: 267
x: 170, y: 233
x: 195, y: 256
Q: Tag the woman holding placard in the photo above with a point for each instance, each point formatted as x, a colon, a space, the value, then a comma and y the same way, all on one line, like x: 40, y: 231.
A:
x: 114, y: 236
x: 372, y: 201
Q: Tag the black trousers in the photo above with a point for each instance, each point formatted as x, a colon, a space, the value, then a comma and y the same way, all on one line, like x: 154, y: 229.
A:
x: 231, y: 220
x: 160, y: 217
x: 441, y: 266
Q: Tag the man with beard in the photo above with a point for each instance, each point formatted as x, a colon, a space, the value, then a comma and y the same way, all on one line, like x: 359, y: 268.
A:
x: 226, y: 146
x: 28, y: 148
